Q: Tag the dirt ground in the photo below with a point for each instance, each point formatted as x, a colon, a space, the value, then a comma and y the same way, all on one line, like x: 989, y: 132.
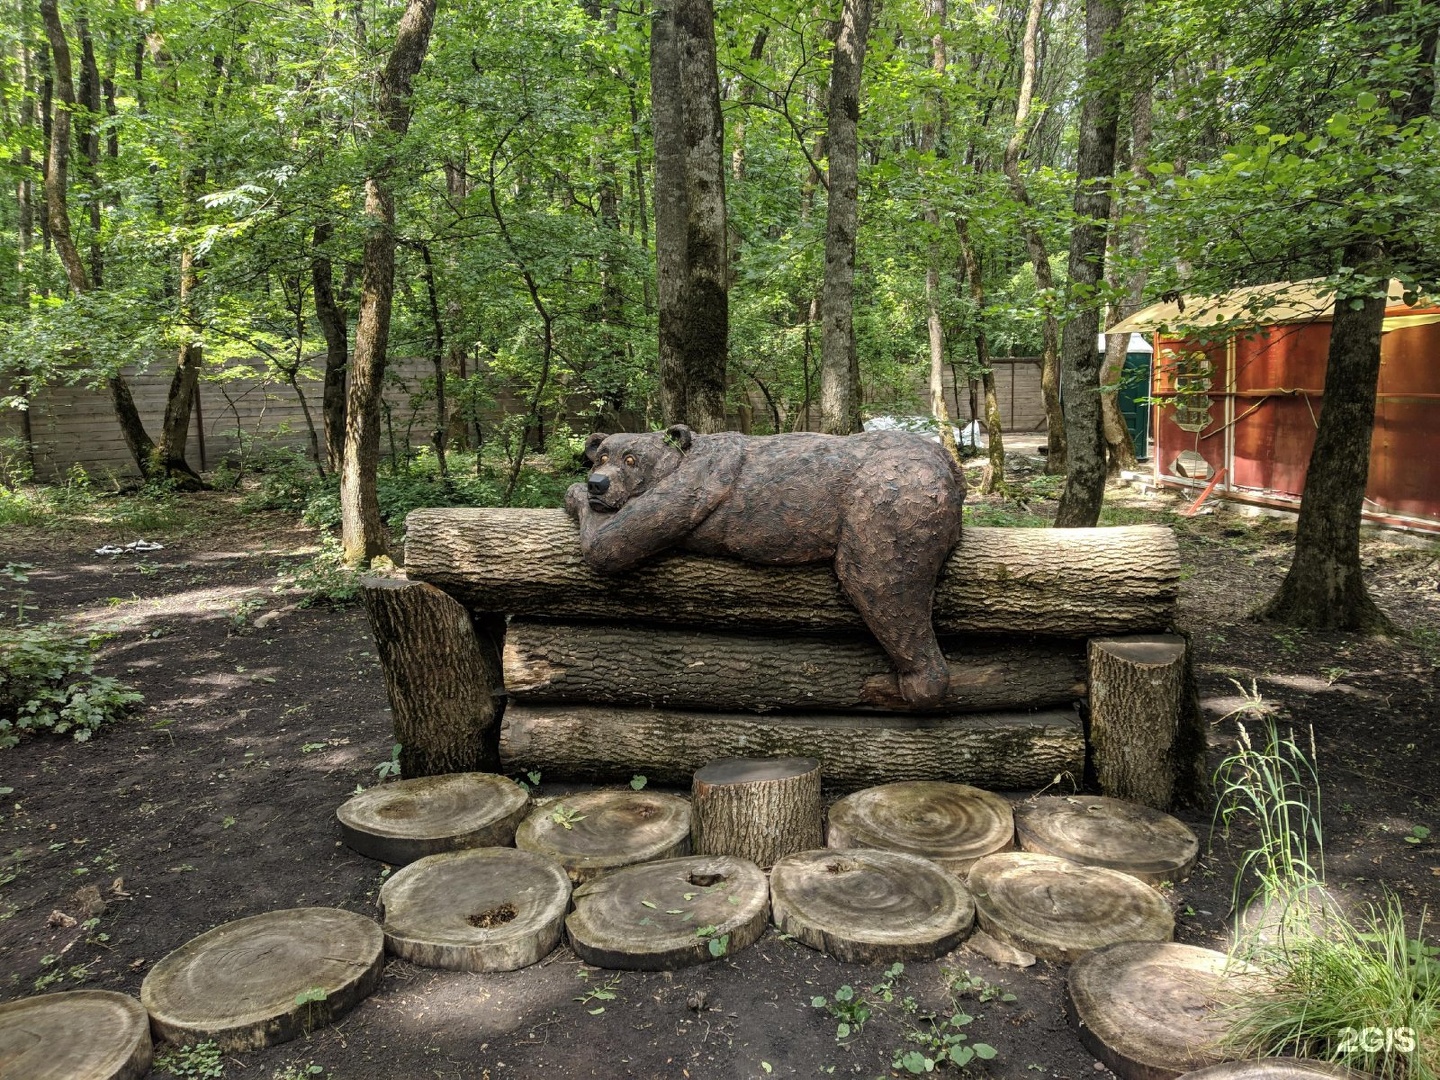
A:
x: 217, y: 799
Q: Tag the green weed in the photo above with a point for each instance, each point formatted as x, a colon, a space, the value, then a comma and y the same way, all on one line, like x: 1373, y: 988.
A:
x: 48, y: 683
x: 201, y: 1061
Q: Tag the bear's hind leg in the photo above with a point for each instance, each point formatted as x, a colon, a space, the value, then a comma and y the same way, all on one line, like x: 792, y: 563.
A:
x: 891, y: 585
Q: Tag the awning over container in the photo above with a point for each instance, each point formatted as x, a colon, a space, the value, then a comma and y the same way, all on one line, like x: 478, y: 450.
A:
x: 1275, y: 304
x: 1136, y: 344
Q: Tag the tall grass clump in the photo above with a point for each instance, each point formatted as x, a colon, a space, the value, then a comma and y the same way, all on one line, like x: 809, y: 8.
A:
x: 1364, y: 993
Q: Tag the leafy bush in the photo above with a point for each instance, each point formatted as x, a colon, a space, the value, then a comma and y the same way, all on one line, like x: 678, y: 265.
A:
x: 47, y: 683
x: 324, y: 578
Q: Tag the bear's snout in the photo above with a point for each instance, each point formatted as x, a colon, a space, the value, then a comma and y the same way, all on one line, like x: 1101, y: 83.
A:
x: 597, y: 484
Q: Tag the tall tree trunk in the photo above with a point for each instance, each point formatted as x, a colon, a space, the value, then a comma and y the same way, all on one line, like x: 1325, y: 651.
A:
x: 180, y: 402
x: 1035, y: 245
x: 994, y: 479
x: 90, y: 145
x: 362, y: 531
x: 137, y: 440
x: 337, y: 351
x: 24, y: 183
x: 839, y: 360
x: 1325, y: 587
x: 707, y: 296
x: 1119, y: 443
x: 930, y: 137
x: 667, y: 122
x: 1079, y: 358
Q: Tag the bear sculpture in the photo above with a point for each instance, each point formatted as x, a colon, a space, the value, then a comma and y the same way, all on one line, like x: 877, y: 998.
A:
x: 883, y: 507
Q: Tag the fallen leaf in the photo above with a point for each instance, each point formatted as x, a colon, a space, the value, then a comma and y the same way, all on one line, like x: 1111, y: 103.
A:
x: 59, y: 920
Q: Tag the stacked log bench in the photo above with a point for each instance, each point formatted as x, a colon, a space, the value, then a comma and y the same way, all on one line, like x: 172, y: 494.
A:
x: 502, y: 650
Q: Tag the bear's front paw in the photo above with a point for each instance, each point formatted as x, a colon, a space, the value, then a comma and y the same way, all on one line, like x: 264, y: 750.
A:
x: 577, y: 497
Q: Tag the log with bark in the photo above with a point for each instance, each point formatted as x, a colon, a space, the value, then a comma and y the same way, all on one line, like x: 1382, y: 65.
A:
x: 1076, y: 583
x: 442, y: 673
x: 697, y: 669
x: 996, y: 750
x: 760, y: 809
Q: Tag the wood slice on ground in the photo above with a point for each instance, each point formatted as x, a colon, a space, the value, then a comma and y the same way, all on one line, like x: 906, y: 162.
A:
x: 670, y: 914
x: 1137, y: 697
x: 698, y: 669
x: 995, y: 750
x: 78, y: 1035
x: 1061, y: 910
x: 595, y: 832
x: 870, y: 907
x: 266, y: 979
x: 760, y: 809
x: 949, y: 824
x: 1096, y: 831
x: 406, y: 820
x: 1277, y: 1068
x: 486, y: 909
x: 1151, y: 1010
x: 1084, y: 582
x: 442, y: 673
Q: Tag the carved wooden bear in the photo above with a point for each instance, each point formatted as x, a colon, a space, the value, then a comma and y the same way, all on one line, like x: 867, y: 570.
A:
x: 884, y: 506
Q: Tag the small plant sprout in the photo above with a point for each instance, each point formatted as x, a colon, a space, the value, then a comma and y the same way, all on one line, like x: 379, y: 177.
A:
x: 637, y: 782
x: 566, y: 818
x: 389, y: 769
x: 1418, y: 834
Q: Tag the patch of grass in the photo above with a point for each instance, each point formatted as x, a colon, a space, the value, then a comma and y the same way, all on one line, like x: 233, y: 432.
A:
x: 202, y: 1061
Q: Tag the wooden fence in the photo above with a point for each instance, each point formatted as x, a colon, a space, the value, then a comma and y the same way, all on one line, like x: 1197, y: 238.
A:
x: 242, y: 410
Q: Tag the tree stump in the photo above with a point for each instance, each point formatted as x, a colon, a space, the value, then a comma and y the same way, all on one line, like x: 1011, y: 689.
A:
x: 949, y: 824
x: 1060, y: 910
x: 409, y: 819
x: 1096, y: 831
x: 670, y: 914
x: 443, y: 675
x: 78, y: 1035
x: 1137, y: 698
x: 266, y: 979
x: 1151, y: 1010
x: 1277, y: 1068
x: 595, y: 832
x: 486, y: 909
x: 870, y: 907
x: 760, y: 809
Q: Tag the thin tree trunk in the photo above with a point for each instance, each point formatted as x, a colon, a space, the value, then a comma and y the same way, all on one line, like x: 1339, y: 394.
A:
x: 90, y: 145
x: 839, y: 360
x: 1035, y: 245
x: 362, y: 530
x: 137, y: 440
x: 930, y: 136
x: 994, y: 479
x: 707, y: 318
x: 667, y: 123
x: 24, y: 184
x: 437, y: 359
x: 337, y: 354
x: 1080, y: 360
x: 180, y: 401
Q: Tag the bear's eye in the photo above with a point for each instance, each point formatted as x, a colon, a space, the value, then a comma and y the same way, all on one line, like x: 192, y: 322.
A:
x: 630, y: 460
x: 604, y: 458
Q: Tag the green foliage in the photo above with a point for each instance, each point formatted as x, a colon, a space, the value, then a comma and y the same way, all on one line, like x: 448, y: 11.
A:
x: 48, y: 683
x: 389, y: 769
x: 199, y: 1061
x: 325, y: 577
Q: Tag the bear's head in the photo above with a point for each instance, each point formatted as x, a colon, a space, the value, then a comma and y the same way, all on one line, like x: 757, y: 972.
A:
x: 624, y: 466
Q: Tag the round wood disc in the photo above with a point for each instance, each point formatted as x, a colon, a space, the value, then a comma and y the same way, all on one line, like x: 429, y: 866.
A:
x: 950, y: 824
x: 595, y: 832
x: 1151, y: 1010
x: 409, y: 819
x: 670, y: 914
x: 238, y: 984
x: 79, y: 1035
x: 870, y: 907
x: 1277, y: 1068
x: 1060, y: 910
x: 1096, y: 831
x: 486, y: 909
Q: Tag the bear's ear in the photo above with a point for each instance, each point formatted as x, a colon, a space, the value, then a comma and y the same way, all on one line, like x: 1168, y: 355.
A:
x: 592, y: 445
x: 679, y: 436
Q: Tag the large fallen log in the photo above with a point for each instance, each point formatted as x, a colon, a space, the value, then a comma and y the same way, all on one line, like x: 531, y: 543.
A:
x: 1063, y: 582
x: 694, y: 669
x: 1001, y: 750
